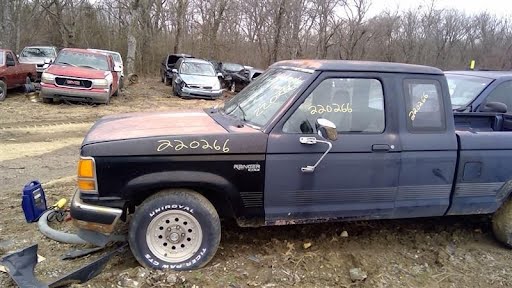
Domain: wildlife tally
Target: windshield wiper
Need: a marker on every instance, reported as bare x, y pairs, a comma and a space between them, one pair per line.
66, 63
87, 66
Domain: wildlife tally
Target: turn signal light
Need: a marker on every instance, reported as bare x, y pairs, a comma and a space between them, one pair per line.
86, 168
86, 185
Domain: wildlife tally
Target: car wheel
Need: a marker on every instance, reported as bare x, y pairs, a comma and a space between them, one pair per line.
162, 78
167, 81
121, 83
28, 80
232, 88
175, 229
108, 97
3, 90
502, 223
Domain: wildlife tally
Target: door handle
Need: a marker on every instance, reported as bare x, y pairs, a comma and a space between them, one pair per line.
381, 148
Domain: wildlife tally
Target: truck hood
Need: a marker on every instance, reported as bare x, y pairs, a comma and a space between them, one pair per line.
79, 72
151, 124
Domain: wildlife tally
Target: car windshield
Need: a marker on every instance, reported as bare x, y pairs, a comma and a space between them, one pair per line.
81, 59
1, 58
464, 89
232, 67
38, 52
259, 101
194, 68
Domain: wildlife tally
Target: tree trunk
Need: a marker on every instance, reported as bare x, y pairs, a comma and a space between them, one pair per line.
279, 24
181, 14
132, 41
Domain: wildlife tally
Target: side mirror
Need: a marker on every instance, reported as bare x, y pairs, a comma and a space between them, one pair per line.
220, 75
497, 107
10, 63
174, 70
326, 129
117, 69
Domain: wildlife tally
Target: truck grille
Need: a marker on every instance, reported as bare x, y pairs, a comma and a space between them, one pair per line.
72, 82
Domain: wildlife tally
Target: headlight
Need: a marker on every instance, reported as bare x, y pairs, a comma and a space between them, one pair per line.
100, 83
47, 78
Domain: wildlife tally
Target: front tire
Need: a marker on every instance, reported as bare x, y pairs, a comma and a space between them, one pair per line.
502, 224
175, 229
3, 90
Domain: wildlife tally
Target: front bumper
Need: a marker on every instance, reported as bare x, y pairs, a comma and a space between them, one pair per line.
93, 95
200, 93
93, 217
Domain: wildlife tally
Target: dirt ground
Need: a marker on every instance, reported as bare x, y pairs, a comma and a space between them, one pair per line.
41, 141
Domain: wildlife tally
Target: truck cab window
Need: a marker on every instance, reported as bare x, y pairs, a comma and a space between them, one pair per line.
502, 93
424, 106
9, 57
353, 105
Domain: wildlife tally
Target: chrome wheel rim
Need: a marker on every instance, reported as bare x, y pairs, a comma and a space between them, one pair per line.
174, 236
1, 92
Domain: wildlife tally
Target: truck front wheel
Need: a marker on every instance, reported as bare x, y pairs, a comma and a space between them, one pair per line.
3, 90
175, 229
502, 223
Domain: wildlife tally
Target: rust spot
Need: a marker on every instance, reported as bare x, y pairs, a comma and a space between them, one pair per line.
102, 228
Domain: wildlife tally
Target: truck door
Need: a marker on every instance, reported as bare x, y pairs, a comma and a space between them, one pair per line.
429, 147
359, 176
11, 73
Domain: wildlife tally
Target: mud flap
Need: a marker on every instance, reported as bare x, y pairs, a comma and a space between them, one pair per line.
20, 266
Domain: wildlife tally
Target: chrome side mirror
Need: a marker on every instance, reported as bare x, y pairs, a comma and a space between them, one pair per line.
326, 129
174, 71
220, 75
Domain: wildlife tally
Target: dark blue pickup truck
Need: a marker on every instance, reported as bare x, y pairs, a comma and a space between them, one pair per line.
307, 141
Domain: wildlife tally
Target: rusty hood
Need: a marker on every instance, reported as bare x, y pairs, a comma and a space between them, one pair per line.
152, 124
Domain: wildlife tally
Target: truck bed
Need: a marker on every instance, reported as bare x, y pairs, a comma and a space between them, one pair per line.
484, 165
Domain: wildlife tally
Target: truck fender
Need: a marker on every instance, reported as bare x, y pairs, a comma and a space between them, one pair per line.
144, 186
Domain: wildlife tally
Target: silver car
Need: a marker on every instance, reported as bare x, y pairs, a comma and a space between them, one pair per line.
39, 56
195, 78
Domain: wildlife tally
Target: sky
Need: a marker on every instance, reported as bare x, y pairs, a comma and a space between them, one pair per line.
499, 7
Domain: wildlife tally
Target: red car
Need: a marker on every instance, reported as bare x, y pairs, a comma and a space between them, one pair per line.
12, 73
80, 75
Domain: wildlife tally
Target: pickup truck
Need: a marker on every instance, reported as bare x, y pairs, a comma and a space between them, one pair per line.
480, 91
307, 141
12, 73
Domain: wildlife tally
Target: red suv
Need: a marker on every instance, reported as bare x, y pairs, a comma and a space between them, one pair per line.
80, 75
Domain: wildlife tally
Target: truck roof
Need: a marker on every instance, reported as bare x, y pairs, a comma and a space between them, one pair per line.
486, 74
359, 66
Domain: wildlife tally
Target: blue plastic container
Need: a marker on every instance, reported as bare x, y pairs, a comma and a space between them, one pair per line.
33, 201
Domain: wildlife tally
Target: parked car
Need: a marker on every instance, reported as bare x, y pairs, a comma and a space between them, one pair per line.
235, 76
195, 78
473, 91
302, 144
118, 61
38, 55
169, 63
12, 73
80, 75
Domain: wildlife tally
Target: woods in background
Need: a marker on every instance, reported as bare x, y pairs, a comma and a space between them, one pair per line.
259, 32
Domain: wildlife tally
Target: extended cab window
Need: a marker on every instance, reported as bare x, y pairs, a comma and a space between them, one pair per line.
502, 93
352, 104
424, 105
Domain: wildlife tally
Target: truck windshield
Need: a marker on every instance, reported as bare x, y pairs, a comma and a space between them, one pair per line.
464, 89
81, 59
38, 52
259, 101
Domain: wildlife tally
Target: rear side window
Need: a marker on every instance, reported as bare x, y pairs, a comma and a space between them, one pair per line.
9, 57
424, 104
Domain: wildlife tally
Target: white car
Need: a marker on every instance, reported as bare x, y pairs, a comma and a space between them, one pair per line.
118, 61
